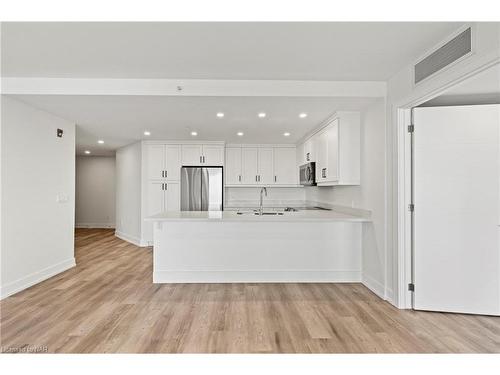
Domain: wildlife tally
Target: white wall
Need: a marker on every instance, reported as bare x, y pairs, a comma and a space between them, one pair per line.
37, 235
95, 191
402, 93
128, 192
236, 196
370, 195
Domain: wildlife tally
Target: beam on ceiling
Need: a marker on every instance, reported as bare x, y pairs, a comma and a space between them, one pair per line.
190, 87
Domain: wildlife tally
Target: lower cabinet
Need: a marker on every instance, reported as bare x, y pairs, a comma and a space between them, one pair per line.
160, 196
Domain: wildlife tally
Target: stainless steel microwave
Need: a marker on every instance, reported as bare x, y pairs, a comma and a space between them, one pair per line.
307, 174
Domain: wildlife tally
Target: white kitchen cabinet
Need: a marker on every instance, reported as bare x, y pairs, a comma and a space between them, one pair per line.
250, 165
338, 151
265, 175
285, 166
213, 155
310, 149
192, 155
232, 168
172, 196
163, 162
173, 162
160, 197
202, 155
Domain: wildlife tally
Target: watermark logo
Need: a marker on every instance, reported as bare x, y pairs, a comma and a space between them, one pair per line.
24, 349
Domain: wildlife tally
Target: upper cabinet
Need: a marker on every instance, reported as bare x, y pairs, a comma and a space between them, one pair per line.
209, 155
336, 150
163, 162
285, 166
249, 165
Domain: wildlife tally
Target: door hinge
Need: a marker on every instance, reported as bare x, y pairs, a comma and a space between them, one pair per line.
411, 287
411, 207
411, 128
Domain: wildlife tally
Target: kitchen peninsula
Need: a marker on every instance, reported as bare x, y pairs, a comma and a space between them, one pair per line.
243, 246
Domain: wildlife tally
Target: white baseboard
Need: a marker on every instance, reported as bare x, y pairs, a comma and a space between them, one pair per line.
257, 276
94, 225
132, 239
36, 277
374, 285
389, 297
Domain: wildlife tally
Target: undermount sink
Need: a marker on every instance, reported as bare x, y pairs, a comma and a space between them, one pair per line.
256, 212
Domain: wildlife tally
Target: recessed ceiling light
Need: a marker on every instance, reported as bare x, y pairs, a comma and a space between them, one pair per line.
147, 132
262, 114
240, 134
303, 115
87, 152
220, 114
194, 134
100, 141
286, 134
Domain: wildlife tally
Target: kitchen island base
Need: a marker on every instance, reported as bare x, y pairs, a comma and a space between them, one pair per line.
257, 252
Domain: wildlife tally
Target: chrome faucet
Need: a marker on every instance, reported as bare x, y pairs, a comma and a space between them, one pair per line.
262, 190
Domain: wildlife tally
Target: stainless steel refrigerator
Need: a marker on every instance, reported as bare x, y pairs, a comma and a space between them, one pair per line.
201, 189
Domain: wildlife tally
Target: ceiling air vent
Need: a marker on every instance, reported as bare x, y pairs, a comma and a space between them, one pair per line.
456, 48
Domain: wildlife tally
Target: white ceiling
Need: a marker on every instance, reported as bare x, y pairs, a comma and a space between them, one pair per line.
220, 51
120, 120
366, 51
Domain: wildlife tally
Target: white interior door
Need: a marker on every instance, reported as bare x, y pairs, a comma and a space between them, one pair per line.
456, 217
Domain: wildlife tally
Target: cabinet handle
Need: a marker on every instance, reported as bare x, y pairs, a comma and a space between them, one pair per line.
259, 177
239, 178
203, 159
275, 178
307, 156
166, 186
162, 186
162, 174
256, 179
166, 174
200, 160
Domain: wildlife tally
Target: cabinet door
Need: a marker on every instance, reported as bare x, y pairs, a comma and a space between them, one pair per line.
249, 165
155, 159
155, 203
266, 166
285, 167
310, 149
321, 156
332, 137
172, 196
232, 169
301, 154
173, 162
192, 155
213, 155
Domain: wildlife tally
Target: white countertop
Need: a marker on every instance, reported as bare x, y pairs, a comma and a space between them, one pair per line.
303, 215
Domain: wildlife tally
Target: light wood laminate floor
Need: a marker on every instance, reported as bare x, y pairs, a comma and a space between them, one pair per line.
108, 303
